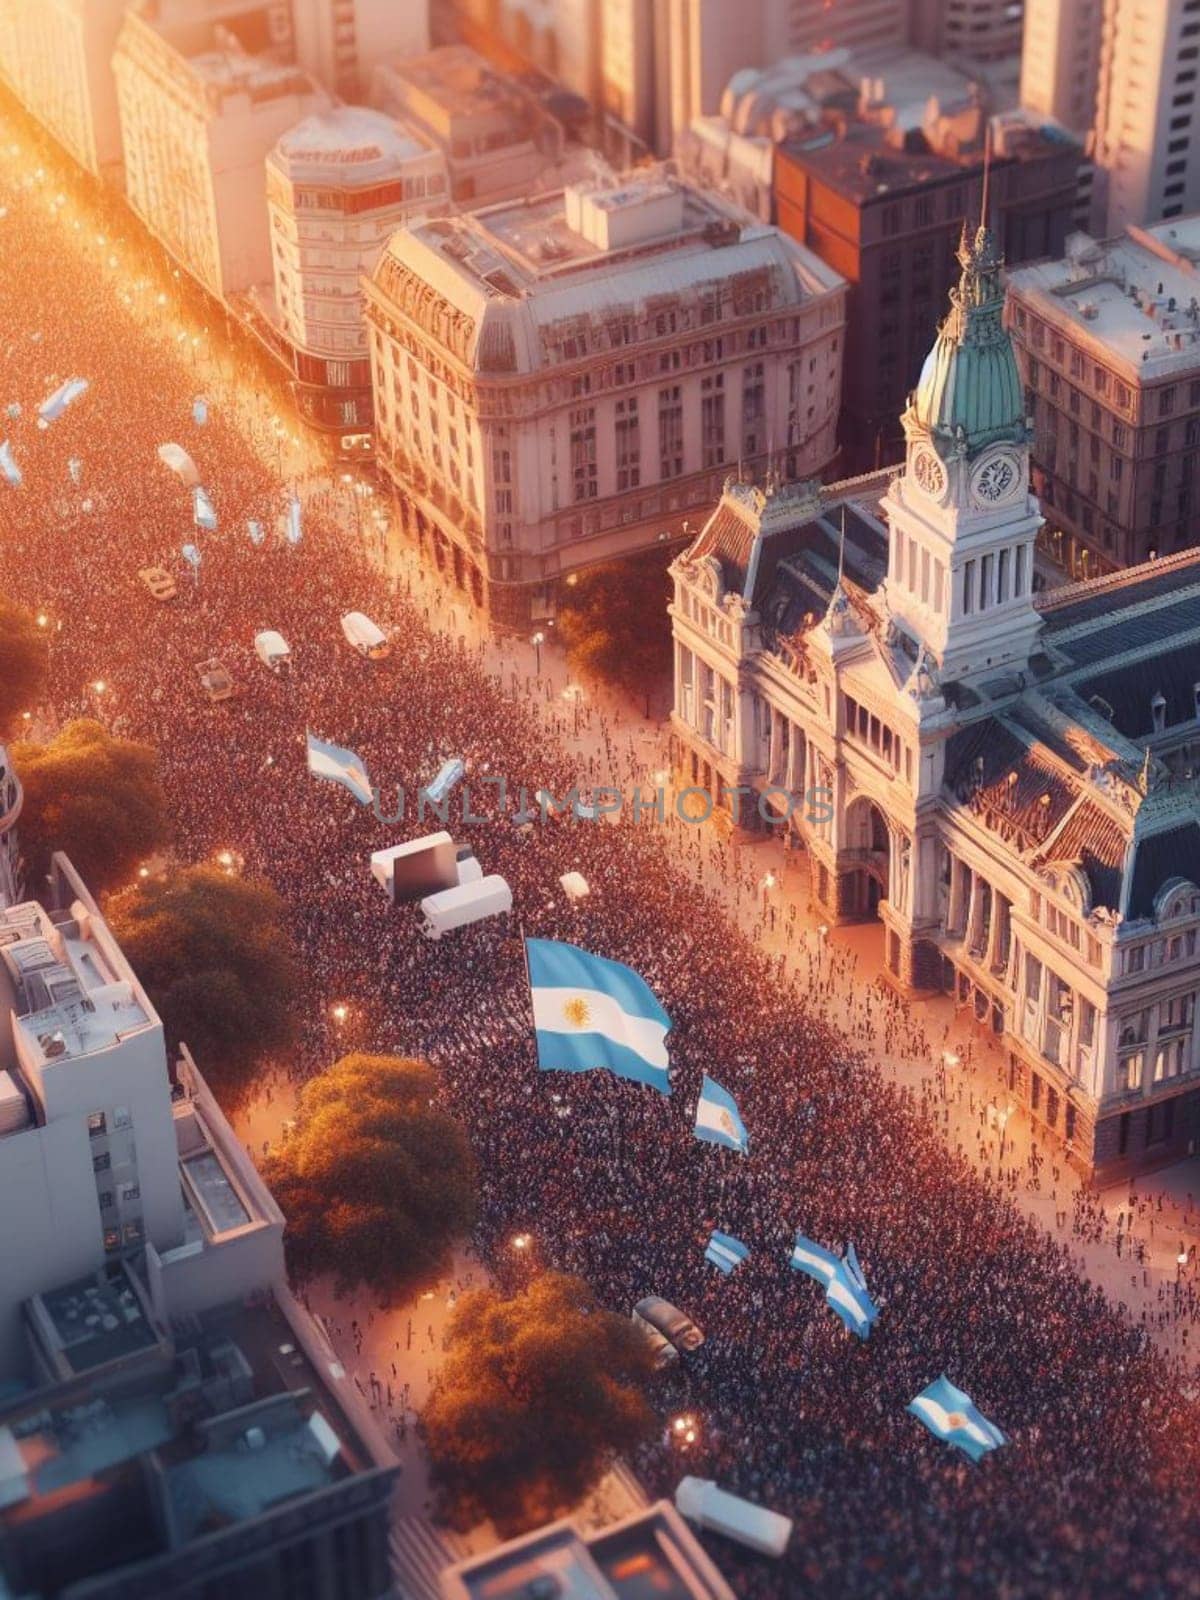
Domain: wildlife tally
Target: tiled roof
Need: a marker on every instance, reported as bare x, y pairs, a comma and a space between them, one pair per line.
1174, 853
1093, 839
1128, 692
1019, 791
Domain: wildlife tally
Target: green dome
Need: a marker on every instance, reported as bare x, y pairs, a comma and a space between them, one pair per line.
970, 379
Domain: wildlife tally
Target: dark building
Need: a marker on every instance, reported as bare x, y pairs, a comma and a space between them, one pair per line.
884, 205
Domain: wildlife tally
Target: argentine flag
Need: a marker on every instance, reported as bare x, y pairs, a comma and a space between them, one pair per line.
53, 406
717, 1118
340, 766
8, 466
725, 1252
292, 528
845, 1287
589, 1012
949, 1414
202, 510
191, 554
255, 531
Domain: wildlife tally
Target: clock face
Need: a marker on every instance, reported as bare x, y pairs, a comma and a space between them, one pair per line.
996, 478
929, 472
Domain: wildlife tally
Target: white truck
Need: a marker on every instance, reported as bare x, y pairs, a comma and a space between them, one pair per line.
701, 1502
272, 649
465, 903
415, 870
364, 636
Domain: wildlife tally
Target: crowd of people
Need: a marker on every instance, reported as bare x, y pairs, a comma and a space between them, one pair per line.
1095, 1493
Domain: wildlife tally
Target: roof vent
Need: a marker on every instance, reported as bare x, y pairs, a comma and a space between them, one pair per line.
254, 1439
1158, 710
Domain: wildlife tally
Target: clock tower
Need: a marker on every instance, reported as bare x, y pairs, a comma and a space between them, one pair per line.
962, 519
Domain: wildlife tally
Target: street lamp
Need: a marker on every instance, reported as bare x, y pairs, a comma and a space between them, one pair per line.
339, 1013
537, 642
1002, 1118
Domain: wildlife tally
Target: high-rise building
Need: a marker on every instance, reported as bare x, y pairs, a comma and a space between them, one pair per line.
340, 42
54, 56
1004, 781
11, 799
969, 30
883, 203
565, 380
202, 105
338, 184
1108, 338
1147, 152
1060, 61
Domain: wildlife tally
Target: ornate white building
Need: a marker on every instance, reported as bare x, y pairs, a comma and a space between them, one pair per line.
567, 379
1005, 780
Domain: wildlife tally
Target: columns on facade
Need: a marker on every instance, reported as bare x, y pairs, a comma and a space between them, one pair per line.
954, 909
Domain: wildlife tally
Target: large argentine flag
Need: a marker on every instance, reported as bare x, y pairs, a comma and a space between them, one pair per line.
725, 1252
818, 1262
340, 766
589, 1012
8, 466
949, 1414
718, 1120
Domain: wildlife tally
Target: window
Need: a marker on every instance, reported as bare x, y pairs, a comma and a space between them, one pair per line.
753, 408
583, 454
101, 1163
712, 419
97, 1125
670, 432
628, 444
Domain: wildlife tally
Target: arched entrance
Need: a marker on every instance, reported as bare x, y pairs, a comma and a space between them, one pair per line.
867, 855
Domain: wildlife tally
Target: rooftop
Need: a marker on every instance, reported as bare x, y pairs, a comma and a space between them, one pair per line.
1134, 300
225, 1422
96, 1319
452, 85
71, 994
598, 252
651, 1555
347, 146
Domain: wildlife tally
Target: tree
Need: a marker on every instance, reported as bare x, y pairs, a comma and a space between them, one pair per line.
23, 663
214, 955
539, 1392
376, 1182
614, 623
96, 797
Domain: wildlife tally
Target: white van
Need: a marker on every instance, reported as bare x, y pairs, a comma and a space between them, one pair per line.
272, 650
466, 903
701, 1502
467, 866
363, 635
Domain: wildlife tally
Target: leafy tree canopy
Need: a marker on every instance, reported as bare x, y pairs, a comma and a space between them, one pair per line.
23, 663
377, 1183
539, 1393
214, 955
614, 623
94, 796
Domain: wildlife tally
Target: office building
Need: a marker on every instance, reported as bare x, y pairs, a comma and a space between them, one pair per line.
567, 380
881, 194
979, 31
54, 57
652, 1552
340, 42
338, 184
497, 141
1005, 782
1060, 61
1108, 338
201, 108
1147, 153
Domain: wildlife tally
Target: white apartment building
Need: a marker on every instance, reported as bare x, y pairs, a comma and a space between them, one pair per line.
98, 1161
1147, 151
568, 380
1005, 782
199, 115
983, 31
340, 42
54, 56
338, 184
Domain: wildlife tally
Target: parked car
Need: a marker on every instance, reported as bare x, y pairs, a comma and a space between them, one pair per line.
159, 582
215, 679
671, 1331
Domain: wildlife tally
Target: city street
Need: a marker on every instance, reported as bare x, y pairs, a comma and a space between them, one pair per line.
857, 1110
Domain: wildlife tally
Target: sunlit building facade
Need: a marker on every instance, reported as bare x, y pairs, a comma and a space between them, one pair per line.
338, 184
1005, 781
54, 56
569, 380
199, 114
